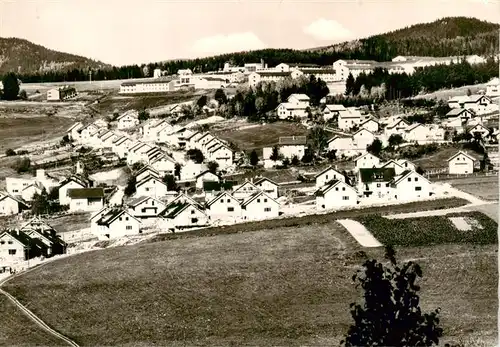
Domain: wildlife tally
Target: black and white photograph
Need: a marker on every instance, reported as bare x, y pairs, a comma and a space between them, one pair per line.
249, 173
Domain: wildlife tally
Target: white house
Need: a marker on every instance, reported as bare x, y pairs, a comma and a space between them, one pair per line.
399, 127
457, 101
461, 113
287, 110
15, 185
145, 207
164, 164
190, 170
268, 186
367, 161
349, 119
87, 131
370, 124
85, 199
328, 175
10, 205
344, 145
479, 129
62, 93
245, 190
362, 138
333, 111
477, 102
461, 163
288, 147
260, 206
12, 248
336, 194
410, 185
221, 154
151, 186
493, 87
120, 146
205, 176
422, 134
224, 207
178, 216
29, 192
73, 132
128, 120
116, 223
375, 183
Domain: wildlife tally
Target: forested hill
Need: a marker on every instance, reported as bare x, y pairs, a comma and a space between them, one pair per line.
25, 57
444, 37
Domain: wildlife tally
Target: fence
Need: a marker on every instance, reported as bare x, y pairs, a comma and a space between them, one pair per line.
446, 176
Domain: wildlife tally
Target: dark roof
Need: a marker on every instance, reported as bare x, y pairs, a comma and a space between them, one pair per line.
273, 73
377, 174
218, 186
146, 168
255, 196
173, 210
321, 191
84, 193
112, 215
292, 140
147, 179
318, 71
138, 200
262, 179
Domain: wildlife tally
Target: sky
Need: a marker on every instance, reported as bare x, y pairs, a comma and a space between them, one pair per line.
121, 32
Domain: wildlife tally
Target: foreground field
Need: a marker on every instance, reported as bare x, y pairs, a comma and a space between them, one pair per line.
286, 286
19, 330
258, 136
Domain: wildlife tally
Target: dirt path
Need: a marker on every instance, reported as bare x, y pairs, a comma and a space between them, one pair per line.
30, 314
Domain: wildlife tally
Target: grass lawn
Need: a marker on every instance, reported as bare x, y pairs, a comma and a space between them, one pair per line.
484, 187
70, 222
16, 132
438, 159
423, 231
289, 286
19, 330
437, 204
259, 136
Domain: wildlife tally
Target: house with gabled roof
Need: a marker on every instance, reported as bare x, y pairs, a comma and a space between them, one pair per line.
163, 163
137, 152
128, 120
461, 163
221, 154
409, 185
101, 123
457, 101
268, 186
459, 116
375, 183
259, 205
13, 247
477, 102
333, 111
335, 194
36, 223
181, 216
328, 175
399, 127
362, 139
86, 132
151, 186
206, 176
10, 205
73, 131
53, 243
116, 223
398, 169
288, 147
224, 207
145, 207
343, 145
288, 110
370, 124
192, 140
29, 192
145, 171
244, 190
71, 182
163, 132
479, 129
120, 146
367, 160
349, 119
183, 198
85, 199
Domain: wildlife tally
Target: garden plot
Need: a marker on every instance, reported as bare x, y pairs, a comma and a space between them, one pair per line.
360, 233
465, 224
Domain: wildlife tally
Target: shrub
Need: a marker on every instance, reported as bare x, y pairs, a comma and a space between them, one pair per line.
22, 165
10, 152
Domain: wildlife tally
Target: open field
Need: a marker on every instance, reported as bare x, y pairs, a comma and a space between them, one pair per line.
484, 187
71, 222
424, 231
19, 330
138, 102
445, 94
258, 136
289, 286
16, 132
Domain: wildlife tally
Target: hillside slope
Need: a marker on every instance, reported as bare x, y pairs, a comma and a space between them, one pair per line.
444, 37
25, 57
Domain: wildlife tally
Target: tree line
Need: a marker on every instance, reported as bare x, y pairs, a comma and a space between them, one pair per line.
380, 84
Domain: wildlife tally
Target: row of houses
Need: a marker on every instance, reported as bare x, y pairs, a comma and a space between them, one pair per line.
183, 82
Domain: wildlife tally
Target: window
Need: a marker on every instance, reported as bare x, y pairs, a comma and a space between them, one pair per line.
228, 200
415, 179
322, 206
326, 176
152, 202
345, 198
265, 200
194, 220
2, 242
142, 210
258, 200
337, 189
267, 209
387, 184
230, 209
418, 189
409, 179
126, 218
192, 212
147, 189
128, 227
12, 251
222, 200
343, 189
10, 242
378, 185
